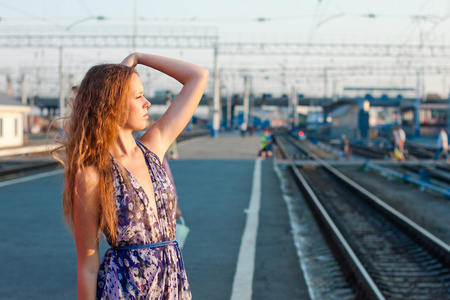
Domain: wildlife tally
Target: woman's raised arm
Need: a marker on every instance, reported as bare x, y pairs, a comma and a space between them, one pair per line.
193, 78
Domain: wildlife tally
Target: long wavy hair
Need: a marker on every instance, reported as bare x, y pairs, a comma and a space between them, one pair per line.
98, 110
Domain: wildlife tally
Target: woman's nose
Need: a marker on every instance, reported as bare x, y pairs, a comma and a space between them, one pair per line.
147, 103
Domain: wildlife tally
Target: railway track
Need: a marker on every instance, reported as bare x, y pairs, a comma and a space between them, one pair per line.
438, 174
383, 253
442, 177
413, 151
420, 152
10, 171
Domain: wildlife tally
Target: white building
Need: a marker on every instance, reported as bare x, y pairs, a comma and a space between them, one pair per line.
11, 121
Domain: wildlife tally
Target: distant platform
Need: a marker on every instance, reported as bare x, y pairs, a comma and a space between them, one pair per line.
228, 145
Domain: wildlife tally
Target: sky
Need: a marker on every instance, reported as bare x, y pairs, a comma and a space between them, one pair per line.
302, 21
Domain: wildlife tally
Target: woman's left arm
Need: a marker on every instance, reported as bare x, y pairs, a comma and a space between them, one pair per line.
193, 78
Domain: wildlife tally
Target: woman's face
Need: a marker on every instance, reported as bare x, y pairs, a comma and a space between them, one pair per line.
137, 105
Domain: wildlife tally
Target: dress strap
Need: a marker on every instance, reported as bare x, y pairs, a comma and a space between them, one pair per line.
141, 145
154, 245
154, 156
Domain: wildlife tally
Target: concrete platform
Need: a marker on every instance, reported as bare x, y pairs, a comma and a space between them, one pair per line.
226, 146
216, 186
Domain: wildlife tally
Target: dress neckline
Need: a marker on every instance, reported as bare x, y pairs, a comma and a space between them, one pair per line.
152, 179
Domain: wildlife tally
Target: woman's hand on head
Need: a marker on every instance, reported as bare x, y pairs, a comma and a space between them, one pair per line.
131, 60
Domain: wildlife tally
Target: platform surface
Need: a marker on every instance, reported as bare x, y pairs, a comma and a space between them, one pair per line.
214, 180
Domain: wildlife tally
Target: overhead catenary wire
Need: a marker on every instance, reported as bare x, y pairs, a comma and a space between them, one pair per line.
85, 7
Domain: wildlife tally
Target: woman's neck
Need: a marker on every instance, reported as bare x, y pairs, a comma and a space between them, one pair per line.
125, 143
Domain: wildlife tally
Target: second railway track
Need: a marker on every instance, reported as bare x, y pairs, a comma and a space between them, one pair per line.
384, 254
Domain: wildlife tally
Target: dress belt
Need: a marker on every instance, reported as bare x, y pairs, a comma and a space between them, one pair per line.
154, 245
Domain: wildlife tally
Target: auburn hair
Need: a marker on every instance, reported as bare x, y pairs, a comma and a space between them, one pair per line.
99, 109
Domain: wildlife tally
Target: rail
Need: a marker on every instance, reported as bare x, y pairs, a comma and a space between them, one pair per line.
408, 178
366, 282
441, 248
436, 247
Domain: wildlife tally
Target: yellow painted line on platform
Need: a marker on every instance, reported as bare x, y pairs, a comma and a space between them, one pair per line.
243, 278
30, 178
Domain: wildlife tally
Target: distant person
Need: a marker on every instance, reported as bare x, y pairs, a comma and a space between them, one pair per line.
346, 143
399, 139
393, 143
172, 152
116, 184
442, 145
243, 128
401, 136
266, 144
251, 129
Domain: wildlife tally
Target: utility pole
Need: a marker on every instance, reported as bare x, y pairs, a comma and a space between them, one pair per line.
9, 85
229, 111
216, 99
168, 98
289, 111
24, 89
334, 91
448, 112
31, 124
417, 106
62, 102
294, 101
24, 102
134, 25
246, 98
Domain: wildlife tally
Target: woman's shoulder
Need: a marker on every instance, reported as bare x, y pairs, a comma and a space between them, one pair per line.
86, 188
87, 177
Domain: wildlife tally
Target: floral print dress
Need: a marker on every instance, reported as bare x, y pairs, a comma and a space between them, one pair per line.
145, 273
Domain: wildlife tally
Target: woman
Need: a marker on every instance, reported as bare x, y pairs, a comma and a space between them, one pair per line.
116, 184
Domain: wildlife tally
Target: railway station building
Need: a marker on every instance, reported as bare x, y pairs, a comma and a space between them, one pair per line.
12, 116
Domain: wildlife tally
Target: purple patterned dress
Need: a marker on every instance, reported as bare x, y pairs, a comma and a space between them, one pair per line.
148, 273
